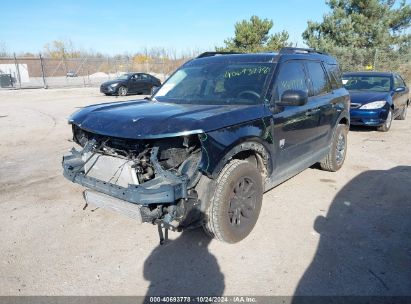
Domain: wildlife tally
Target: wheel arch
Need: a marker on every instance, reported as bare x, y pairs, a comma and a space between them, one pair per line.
248, 150
344, 120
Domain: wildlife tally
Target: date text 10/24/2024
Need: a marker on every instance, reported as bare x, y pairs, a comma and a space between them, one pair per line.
205, 299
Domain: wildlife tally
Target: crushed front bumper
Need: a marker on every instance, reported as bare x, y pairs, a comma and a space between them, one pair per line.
164, 188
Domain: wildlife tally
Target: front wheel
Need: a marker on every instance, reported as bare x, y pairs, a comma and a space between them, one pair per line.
336, 156
122, 91
236, 203
387, 124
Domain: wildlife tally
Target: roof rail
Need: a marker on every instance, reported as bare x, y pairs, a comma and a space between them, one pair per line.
210, 54
294, 50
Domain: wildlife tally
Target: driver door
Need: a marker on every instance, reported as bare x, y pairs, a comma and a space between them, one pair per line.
135, 83
294, 126
399, 98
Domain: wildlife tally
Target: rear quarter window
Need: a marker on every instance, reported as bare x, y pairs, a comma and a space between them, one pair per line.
335, 75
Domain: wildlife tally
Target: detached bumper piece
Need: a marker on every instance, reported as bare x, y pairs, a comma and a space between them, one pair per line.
164, 188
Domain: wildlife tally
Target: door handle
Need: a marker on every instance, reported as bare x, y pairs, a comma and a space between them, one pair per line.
311, 112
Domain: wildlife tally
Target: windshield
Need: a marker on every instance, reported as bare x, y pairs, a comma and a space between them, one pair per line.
216, 83
124, 77
367, 83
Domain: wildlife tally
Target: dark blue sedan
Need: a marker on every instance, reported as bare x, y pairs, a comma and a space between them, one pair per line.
376, 98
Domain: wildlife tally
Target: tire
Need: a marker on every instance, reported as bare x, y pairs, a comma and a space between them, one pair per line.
387, 124
231, 217
122, 91
151, 90
403, 114
336, 156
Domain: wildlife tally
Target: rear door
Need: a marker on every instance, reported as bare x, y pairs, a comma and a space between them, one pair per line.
146, 83
294, 126
322, 100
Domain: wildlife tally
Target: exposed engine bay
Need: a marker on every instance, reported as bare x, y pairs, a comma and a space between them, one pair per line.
149, 180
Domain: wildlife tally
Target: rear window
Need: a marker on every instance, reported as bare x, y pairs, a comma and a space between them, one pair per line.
318, 78
367, 83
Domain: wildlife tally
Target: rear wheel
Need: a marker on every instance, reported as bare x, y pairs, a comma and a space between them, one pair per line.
336, 156
122, 91
236, 203
387, 124
403, 114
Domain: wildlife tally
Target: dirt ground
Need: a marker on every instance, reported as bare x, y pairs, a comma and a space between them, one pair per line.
320, 233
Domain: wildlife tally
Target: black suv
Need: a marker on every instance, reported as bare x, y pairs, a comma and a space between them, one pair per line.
222, 130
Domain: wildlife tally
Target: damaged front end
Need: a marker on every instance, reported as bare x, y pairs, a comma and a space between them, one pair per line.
150, 180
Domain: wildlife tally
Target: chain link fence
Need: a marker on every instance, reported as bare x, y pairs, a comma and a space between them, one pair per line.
40, 72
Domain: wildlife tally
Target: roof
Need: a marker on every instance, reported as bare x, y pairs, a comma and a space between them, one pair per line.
369, 73
215, 57
254, 57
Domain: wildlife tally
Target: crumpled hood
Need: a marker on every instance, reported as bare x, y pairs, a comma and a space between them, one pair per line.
366, 97
141, 119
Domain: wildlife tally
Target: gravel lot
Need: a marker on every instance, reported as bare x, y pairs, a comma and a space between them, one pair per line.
344, 233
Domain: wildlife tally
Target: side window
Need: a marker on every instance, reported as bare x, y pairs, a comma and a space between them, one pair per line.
290, 77
318, 79
144, 77
335, 75
398, 82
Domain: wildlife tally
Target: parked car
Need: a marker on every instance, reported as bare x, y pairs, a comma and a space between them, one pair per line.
137, 83
222, 130
71, 73
376, 98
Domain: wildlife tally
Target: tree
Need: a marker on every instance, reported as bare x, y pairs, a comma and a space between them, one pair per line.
363, 32
3, 49
254, 36
61, 49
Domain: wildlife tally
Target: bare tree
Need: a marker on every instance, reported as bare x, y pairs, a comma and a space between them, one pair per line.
3, 49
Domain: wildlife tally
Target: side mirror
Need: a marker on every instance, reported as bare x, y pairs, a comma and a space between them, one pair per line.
154, 90
293, 98
399, 89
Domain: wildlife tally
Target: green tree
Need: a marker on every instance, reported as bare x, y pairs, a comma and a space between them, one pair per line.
254, 36
363, 33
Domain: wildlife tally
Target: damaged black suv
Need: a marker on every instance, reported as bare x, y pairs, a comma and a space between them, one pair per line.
222, 130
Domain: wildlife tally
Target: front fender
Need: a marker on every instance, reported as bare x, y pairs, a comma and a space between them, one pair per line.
219, 146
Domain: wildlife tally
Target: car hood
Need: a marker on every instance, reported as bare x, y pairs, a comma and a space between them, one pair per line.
366, 97
142, 119
107, 83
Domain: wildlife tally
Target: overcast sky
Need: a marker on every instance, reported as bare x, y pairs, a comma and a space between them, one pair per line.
123, 26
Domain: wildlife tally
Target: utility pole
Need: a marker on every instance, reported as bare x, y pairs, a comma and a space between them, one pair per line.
42, 72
